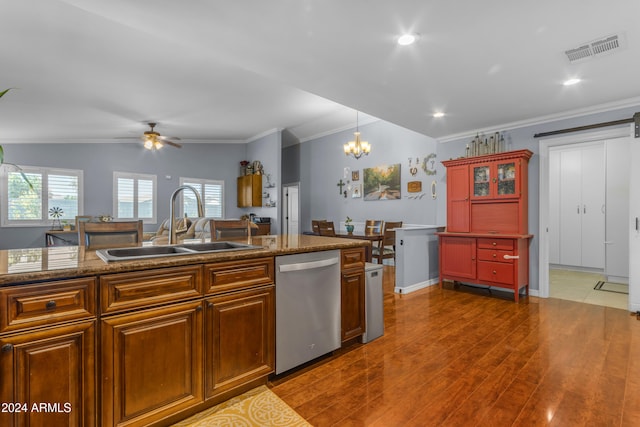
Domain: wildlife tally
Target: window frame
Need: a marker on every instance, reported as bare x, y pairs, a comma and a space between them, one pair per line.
202, 182
44, 199
136, 177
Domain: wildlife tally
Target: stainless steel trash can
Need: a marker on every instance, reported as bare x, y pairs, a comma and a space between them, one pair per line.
374, 311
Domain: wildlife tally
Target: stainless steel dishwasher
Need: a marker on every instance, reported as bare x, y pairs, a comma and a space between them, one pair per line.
307, 307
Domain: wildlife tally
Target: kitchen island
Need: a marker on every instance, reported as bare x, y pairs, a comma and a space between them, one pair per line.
150, 341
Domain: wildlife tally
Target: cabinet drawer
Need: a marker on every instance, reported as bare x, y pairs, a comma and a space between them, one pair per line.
501, 244
48, 303
495, 255
352, 258
228, 276
496, 272
125, 291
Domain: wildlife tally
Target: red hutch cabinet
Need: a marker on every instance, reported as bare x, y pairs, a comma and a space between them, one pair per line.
486, 241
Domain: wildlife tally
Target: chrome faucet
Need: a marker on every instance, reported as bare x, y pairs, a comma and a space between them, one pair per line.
172, 208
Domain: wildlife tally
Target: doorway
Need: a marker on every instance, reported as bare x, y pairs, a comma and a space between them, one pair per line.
548, 189
291, 209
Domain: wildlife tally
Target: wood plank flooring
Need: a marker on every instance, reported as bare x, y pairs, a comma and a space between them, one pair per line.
462, 357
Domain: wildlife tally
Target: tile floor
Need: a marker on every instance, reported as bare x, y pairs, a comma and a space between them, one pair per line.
578, 286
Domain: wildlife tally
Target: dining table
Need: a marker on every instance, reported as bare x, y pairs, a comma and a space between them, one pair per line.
373, 238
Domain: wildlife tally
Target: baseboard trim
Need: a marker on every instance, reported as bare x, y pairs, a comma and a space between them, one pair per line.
415, 286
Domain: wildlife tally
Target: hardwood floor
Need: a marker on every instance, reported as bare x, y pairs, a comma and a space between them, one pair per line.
462, 357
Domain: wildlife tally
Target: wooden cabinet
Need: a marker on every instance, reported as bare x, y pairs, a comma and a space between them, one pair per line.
249, 191
177, 340
486, 240
458, 257
458, 198
353, 314
240, 337
264, 229
47, 353
151, 364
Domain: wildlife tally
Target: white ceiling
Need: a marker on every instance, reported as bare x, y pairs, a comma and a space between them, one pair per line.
216, 70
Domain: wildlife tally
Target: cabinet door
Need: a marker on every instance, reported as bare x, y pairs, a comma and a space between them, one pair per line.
482, 175
458, 199
53, 369
151, 364
249, 191
239, 338
353, 304
506, 181
458, 257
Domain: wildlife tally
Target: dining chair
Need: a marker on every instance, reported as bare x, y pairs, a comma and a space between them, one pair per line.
326, 228
373, 226
387, 248
315, 225
228, 228
100, 235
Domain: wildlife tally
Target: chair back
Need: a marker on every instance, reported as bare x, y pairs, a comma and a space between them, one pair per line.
389, 238
315, 225
373, 226
327, 229
229, 228
100, 235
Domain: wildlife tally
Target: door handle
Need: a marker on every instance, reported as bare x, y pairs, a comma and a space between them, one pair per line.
511, 256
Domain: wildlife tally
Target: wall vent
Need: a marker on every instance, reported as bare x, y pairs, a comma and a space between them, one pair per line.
604, 45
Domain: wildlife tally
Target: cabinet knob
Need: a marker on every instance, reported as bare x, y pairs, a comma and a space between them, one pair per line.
494, 244
50, 305
199, 308
210, 305
494, 272
494, 255
7, 348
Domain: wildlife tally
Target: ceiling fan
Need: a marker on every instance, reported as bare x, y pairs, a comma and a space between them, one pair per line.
152, 140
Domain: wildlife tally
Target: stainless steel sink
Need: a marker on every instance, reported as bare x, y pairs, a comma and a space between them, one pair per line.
143, 252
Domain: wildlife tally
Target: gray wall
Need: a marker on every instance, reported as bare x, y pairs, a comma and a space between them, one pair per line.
268, 150
98, 161
522, 138
322, 163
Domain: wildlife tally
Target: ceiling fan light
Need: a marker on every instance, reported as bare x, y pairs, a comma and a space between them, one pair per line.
157, 145
148, 144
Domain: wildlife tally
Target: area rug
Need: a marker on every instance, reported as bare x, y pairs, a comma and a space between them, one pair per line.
259, 407
618, 288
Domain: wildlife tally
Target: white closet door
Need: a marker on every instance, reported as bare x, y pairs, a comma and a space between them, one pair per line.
570, 207
593, 206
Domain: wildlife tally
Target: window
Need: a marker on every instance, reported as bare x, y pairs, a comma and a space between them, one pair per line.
135, 196
212, 200
52, 188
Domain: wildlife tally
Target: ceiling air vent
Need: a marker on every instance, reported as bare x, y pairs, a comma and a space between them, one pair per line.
594, 48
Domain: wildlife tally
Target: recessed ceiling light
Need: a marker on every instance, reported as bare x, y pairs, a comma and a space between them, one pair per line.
438, 114
406, 39
571, 82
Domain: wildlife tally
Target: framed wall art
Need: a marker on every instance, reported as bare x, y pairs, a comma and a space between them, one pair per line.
356, 192
382, 182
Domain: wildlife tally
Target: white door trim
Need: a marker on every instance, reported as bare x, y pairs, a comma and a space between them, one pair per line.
543, 202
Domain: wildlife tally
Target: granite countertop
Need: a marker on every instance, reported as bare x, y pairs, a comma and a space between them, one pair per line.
37, 264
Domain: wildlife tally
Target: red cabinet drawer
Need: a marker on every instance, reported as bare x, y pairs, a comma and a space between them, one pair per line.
495, 255
496, 272
500, 244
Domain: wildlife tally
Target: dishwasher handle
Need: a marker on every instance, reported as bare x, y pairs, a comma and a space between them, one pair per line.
301, 266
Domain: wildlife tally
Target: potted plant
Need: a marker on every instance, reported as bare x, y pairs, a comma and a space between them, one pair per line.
348, 225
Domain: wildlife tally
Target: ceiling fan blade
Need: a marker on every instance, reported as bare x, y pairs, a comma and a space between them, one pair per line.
166, 141
162, 137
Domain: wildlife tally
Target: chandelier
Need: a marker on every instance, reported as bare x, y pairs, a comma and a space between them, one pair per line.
357, 148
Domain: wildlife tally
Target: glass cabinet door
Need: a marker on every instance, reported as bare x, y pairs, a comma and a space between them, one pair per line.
481, 181
506, 179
